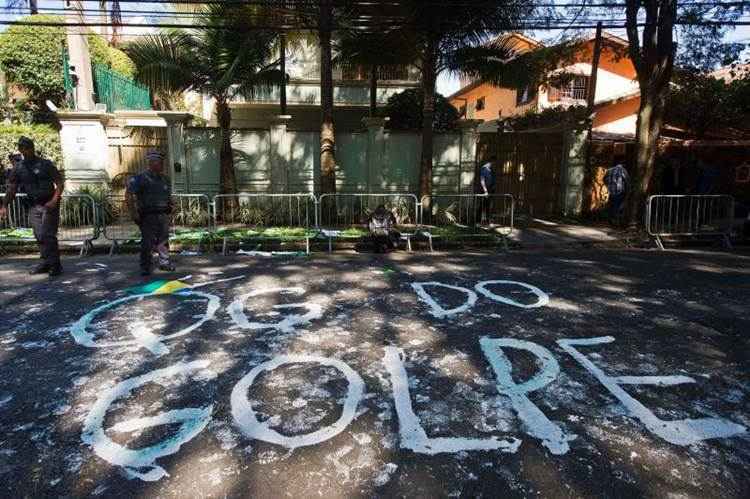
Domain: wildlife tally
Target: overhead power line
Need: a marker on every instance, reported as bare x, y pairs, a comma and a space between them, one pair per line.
285, 27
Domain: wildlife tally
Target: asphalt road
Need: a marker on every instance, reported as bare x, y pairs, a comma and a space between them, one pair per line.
330, 376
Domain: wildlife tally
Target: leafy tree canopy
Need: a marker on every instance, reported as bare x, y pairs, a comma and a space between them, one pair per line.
700, 102
405, 112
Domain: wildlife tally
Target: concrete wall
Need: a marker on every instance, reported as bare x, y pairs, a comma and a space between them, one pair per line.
281, 160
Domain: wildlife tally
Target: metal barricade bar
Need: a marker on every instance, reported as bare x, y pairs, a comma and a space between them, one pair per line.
191, 216
689, 215
78, 220
283, 216
346, 210
15, 226
492, 211
117, 222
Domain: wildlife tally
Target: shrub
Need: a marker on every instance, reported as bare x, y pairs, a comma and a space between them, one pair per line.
121, 63
98, 49
102, 53
405, 112
46, 139
31, 56
101, 197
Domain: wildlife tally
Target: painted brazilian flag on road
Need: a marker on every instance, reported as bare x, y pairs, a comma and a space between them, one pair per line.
160, 287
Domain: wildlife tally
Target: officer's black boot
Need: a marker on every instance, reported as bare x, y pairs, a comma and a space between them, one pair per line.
42, 268
55, 270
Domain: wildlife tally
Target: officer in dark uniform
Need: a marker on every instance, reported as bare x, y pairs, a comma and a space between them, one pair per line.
150, 200
43, 185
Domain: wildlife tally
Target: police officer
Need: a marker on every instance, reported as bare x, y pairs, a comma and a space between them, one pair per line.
150, 200
43, 185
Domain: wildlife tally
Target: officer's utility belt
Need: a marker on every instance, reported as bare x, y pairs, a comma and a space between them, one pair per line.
36, 200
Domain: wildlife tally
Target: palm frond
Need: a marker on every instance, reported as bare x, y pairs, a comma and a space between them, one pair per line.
164, 62
501, 65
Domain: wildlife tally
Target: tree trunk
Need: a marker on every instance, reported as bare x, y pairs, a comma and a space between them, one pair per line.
282, 68
373, 90
227, 178
654, 61
648, 130
429, 75
327, 135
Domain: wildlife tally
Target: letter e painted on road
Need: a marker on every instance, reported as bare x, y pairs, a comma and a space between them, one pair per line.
678, 432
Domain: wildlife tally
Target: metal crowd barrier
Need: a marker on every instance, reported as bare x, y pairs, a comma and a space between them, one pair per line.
689, 215
117, 221
247, 216
191, 217
489, 212
78, 221
466, 216
15, 226
346, 210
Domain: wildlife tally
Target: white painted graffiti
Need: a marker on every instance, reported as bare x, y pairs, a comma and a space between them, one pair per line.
412, 435
142, 336
247, 420
535, 422
679, 432
237, 311
141, 463
439, 312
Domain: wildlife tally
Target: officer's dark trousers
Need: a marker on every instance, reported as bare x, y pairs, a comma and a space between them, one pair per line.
154, 232
45, 222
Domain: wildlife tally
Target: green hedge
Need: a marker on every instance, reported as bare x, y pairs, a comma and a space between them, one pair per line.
46, 139
31, 56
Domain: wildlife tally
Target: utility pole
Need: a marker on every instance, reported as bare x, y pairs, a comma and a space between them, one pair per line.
80, 59
595, 66
588, 176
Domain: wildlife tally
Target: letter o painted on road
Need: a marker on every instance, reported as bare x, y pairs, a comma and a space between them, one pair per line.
247, 420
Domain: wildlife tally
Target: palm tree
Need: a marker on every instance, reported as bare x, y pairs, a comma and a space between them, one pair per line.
443, 31
235, 60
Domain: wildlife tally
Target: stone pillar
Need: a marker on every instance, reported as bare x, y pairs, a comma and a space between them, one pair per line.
280, 153
573, 171
80, 59
375, 151
85, 148
469, 137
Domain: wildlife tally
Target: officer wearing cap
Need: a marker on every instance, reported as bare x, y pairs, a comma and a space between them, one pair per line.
150, 201
43, 185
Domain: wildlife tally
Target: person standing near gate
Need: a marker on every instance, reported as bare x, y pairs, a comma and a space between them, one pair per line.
617, 181
487, 184
150, 201
43, 185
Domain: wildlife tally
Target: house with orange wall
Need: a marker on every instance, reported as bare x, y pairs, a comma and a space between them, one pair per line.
616, 99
